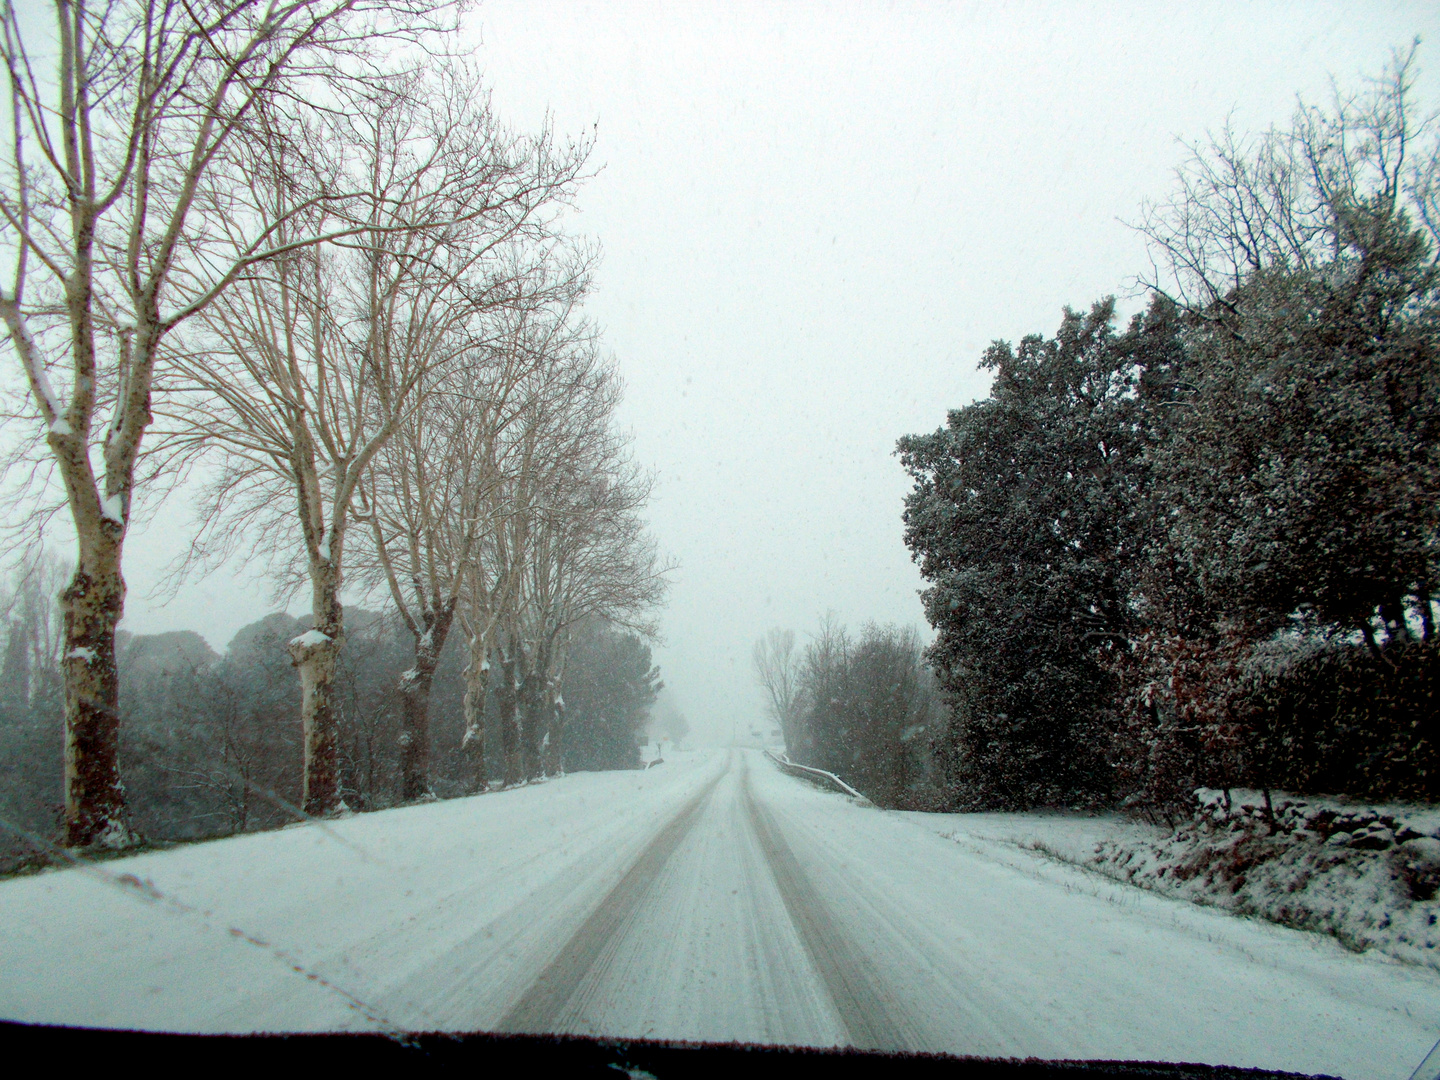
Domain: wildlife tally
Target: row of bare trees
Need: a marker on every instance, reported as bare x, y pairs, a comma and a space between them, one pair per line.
291, 240
509, 507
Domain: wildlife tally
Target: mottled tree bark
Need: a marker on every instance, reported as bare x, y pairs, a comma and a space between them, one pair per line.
506, 707
415, 701
472, 744
314, 654
532, 723
553, 759
1392, 614
95, 814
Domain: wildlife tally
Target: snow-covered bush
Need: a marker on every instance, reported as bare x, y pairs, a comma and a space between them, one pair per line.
1365, 874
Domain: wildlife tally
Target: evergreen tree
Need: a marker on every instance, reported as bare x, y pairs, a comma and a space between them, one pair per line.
609, 687
1027, 518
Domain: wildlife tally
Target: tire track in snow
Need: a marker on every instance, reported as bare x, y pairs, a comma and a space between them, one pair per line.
540, 1008
853, 983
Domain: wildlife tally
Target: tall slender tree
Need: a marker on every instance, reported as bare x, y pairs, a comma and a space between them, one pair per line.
108, 154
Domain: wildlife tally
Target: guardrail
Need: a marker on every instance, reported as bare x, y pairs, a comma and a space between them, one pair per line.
805, 771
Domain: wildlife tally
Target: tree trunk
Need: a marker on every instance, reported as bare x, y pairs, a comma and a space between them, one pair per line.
1397, 628
506, 702
532, 723
472, 744
95, 814
1369, 634
554, 760
415, 699
315, 653
415, 731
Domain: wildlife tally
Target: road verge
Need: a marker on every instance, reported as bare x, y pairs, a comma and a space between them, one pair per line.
817, 776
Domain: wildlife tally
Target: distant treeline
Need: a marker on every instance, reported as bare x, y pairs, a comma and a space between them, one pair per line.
210, 744
1203, 549
862, 706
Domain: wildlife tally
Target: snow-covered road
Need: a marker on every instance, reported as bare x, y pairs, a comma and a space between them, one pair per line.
709, 898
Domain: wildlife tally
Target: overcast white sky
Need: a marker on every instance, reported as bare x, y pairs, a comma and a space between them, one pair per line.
814, 219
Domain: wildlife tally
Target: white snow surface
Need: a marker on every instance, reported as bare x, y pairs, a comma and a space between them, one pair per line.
310, 637
112, 507
711, 897
1331, 865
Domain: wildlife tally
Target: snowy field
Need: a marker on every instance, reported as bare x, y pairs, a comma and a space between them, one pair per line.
710, 897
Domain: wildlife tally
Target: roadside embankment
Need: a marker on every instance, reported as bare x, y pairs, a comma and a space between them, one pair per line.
1367, 875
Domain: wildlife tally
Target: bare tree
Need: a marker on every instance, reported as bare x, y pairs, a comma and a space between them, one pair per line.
108, 152
591, 558
1316, 195
1307, 263
429, 499
565, 543
321, 356
567, 401
777, 667
34, 634
422, 504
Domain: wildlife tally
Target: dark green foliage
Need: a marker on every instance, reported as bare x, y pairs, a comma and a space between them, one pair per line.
1302, 468
1204, 551
1341, 719
31, 703
211, 744
1160, 585
1027, 516
609, 686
